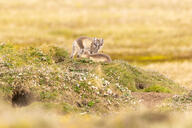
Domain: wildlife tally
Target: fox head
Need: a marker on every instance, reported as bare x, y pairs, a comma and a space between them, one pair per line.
85, 54
96, 45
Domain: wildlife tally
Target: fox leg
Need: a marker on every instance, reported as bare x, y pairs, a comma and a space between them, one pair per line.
73, 52
81, 51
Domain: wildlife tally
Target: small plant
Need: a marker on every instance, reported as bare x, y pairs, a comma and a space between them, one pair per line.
77, 89
91, 103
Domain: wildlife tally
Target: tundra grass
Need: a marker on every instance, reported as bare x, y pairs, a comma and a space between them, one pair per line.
50, 76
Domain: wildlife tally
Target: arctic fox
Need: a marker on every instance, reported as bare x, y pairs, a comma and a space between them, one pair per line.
82, 44
97, 57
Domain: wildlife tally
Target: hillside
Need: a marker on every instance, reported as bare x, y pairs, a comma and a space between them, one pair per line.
47, 76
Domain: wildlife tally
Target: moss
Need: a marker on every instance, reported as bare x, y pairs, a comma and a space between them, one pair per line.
157, 88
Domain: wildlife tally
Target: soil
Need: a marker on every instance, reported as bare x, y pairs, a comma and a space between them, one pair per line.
151, 99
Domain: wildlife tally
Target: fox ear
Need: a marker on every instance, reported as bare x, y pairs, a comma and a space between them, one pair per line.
94, 40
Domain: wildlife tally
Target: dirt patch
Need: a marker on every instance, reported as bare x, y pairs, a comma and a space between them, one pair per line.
151, 99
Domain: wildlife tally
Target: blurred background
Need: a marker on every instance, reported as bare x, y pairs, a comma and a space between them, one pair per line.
138, 31
132, 29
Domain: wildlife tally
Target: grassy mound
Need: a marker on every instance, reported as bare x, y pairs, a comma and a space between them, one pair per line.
56, 81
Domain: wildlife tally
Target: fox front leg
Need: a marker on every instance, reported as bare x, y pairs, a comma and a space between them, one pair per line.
80, 53
73, 52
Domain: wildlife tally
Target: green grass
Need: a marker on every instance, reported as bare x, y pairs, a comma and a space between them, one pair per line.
91, 103
157, 88
134, 78
119, 73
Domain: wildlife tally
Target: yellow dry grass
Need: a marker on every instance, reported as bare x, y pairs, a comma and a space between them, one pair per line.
180, 72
